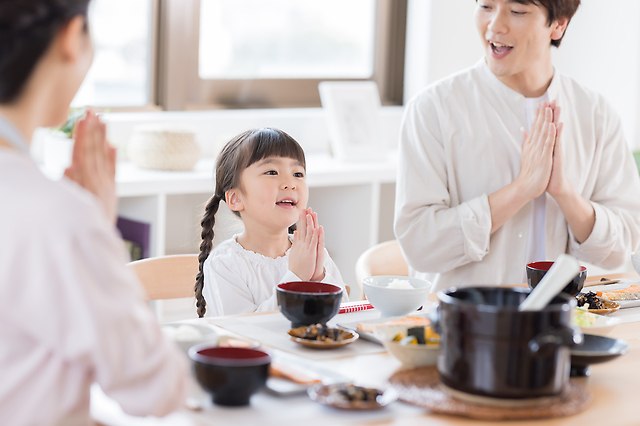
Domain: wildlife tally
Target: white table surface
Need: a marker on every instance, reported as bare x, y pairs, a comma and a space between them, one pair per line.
613, 384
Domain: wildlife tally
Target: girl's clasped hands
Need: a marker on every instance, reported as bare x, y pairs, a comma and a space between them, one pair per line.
306, 257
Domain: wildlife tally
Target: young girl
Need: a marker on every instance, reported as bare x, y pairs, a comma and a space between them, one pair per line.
260, 175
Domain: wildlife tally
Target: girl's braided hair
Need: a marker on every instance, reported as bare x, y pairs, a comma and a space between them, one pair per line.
239, 153
27, 28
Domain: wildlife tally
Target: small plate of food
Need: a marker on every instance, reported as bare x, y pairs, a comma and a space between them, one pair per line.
627, 295
367, 328
320, 336
595, 304
417, 346
593, 324
348, 396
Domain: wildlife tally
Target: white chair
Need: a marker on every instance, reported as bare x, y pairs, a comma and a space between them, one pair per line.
381, 259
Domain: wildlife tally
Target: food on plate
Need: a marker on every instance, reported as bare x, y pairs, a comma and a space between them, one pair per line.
353, 393
401, 284
320, 333
630, 293
590, 300
348, 396
408, 321
418, 336
583, 318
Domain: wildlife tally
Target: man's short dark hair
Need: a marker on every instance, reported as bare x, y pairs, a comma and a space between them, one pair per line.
557, 9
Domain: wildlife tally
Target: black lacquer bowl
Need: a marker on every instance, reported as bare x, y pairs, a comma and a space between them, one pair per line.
230, 375
490, 349
537, 270
595, 350
308, 302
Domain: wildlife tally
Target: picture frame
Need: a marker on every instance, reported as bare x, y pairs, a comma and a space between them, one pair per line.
353, 116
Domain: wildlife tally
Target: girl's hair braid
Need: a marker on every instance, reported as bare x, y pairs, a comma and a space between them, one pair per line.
208, 221
239, 153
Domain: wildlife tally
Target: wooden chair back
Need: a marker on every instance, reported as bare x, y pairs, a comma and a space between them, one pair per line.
381, 259
167, 277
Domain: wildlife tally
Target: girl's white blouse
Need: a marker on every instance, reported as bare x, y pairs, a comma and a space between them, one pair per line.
71, 312
238, 281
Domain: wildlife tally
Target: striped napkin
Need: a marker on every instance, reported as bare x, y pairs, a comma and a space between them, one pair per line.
348, 307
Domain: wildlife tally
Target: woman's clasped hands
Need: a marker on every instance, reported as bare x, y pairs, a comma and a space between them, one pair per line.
93, 165
542, 162
306, 257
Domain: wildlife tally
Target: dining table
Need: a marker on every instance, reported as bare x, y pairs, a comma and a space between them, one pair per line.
613, 385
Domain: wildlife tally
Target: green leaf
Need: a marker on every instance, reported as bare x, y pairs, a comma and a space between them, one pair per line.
74, 115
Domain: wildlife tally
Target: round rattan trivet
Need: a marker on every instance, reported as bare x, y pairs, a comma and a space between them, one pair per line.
421, 386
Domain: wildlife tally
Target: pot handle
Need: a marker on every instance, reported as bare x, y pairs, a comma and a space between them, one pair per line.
543, 343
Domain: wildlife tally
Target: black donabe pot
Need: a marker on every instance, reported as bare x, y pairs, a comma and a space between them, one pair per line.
489, 349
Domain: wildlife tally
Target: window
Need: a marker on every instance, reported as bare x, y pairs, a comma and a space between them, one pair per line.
195, 54
256, 53
286, 39
121, 75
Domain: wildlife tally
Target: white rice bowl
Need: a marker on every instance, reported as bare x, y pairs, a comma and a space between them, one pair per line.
396, 299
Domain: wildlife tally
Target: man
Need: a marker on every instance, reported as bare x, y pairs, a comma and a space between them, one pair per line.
477, 196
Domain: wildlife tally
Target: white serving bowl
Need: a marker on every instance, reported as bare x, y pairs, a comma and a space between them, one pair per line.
395, 301
411, 356
635, 259
187, 335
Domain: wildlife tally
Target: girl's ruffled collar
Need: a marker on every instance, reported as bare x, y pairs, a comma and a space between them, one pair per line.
252, 255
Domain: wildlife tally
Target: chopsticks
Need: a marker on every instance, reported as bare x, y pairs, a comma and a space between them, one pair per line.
349, 307
603, 282
284, 371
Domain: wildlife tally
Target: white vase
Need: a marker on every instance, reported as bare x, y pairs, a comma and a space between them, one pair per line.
55, 151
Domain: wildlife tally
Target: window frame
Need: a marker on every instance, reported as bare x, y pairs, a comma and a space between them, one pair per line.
152, 81
178, 85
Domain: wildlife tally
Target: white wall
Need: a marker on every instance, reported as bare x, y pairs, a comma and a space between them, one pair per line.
441, 39
601, 50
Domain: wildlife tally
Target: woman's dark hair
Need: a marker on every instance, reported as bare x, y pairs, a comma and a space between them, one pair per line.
556, 9
27, 28
239, 153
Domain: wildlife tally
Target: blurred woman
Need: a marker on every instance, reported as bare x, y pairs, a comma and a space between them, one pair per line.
71, 313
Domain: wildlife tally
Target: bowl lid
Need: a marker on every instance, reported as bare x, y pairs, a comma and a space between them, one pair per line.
499, 299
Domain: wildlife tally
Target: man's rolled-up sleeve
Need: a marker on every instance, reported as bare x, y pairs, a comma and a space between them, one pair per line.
615, 199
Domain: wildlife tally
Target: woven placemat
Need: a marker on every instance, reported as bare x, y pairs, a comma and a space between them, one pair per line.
421, 386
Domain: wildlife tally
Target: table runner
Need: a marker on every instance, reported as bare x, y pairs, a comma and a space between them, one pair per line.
271, 330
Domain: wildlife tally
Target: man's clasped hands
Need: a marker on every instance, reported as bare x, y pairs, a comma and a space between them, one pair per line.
542, 162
